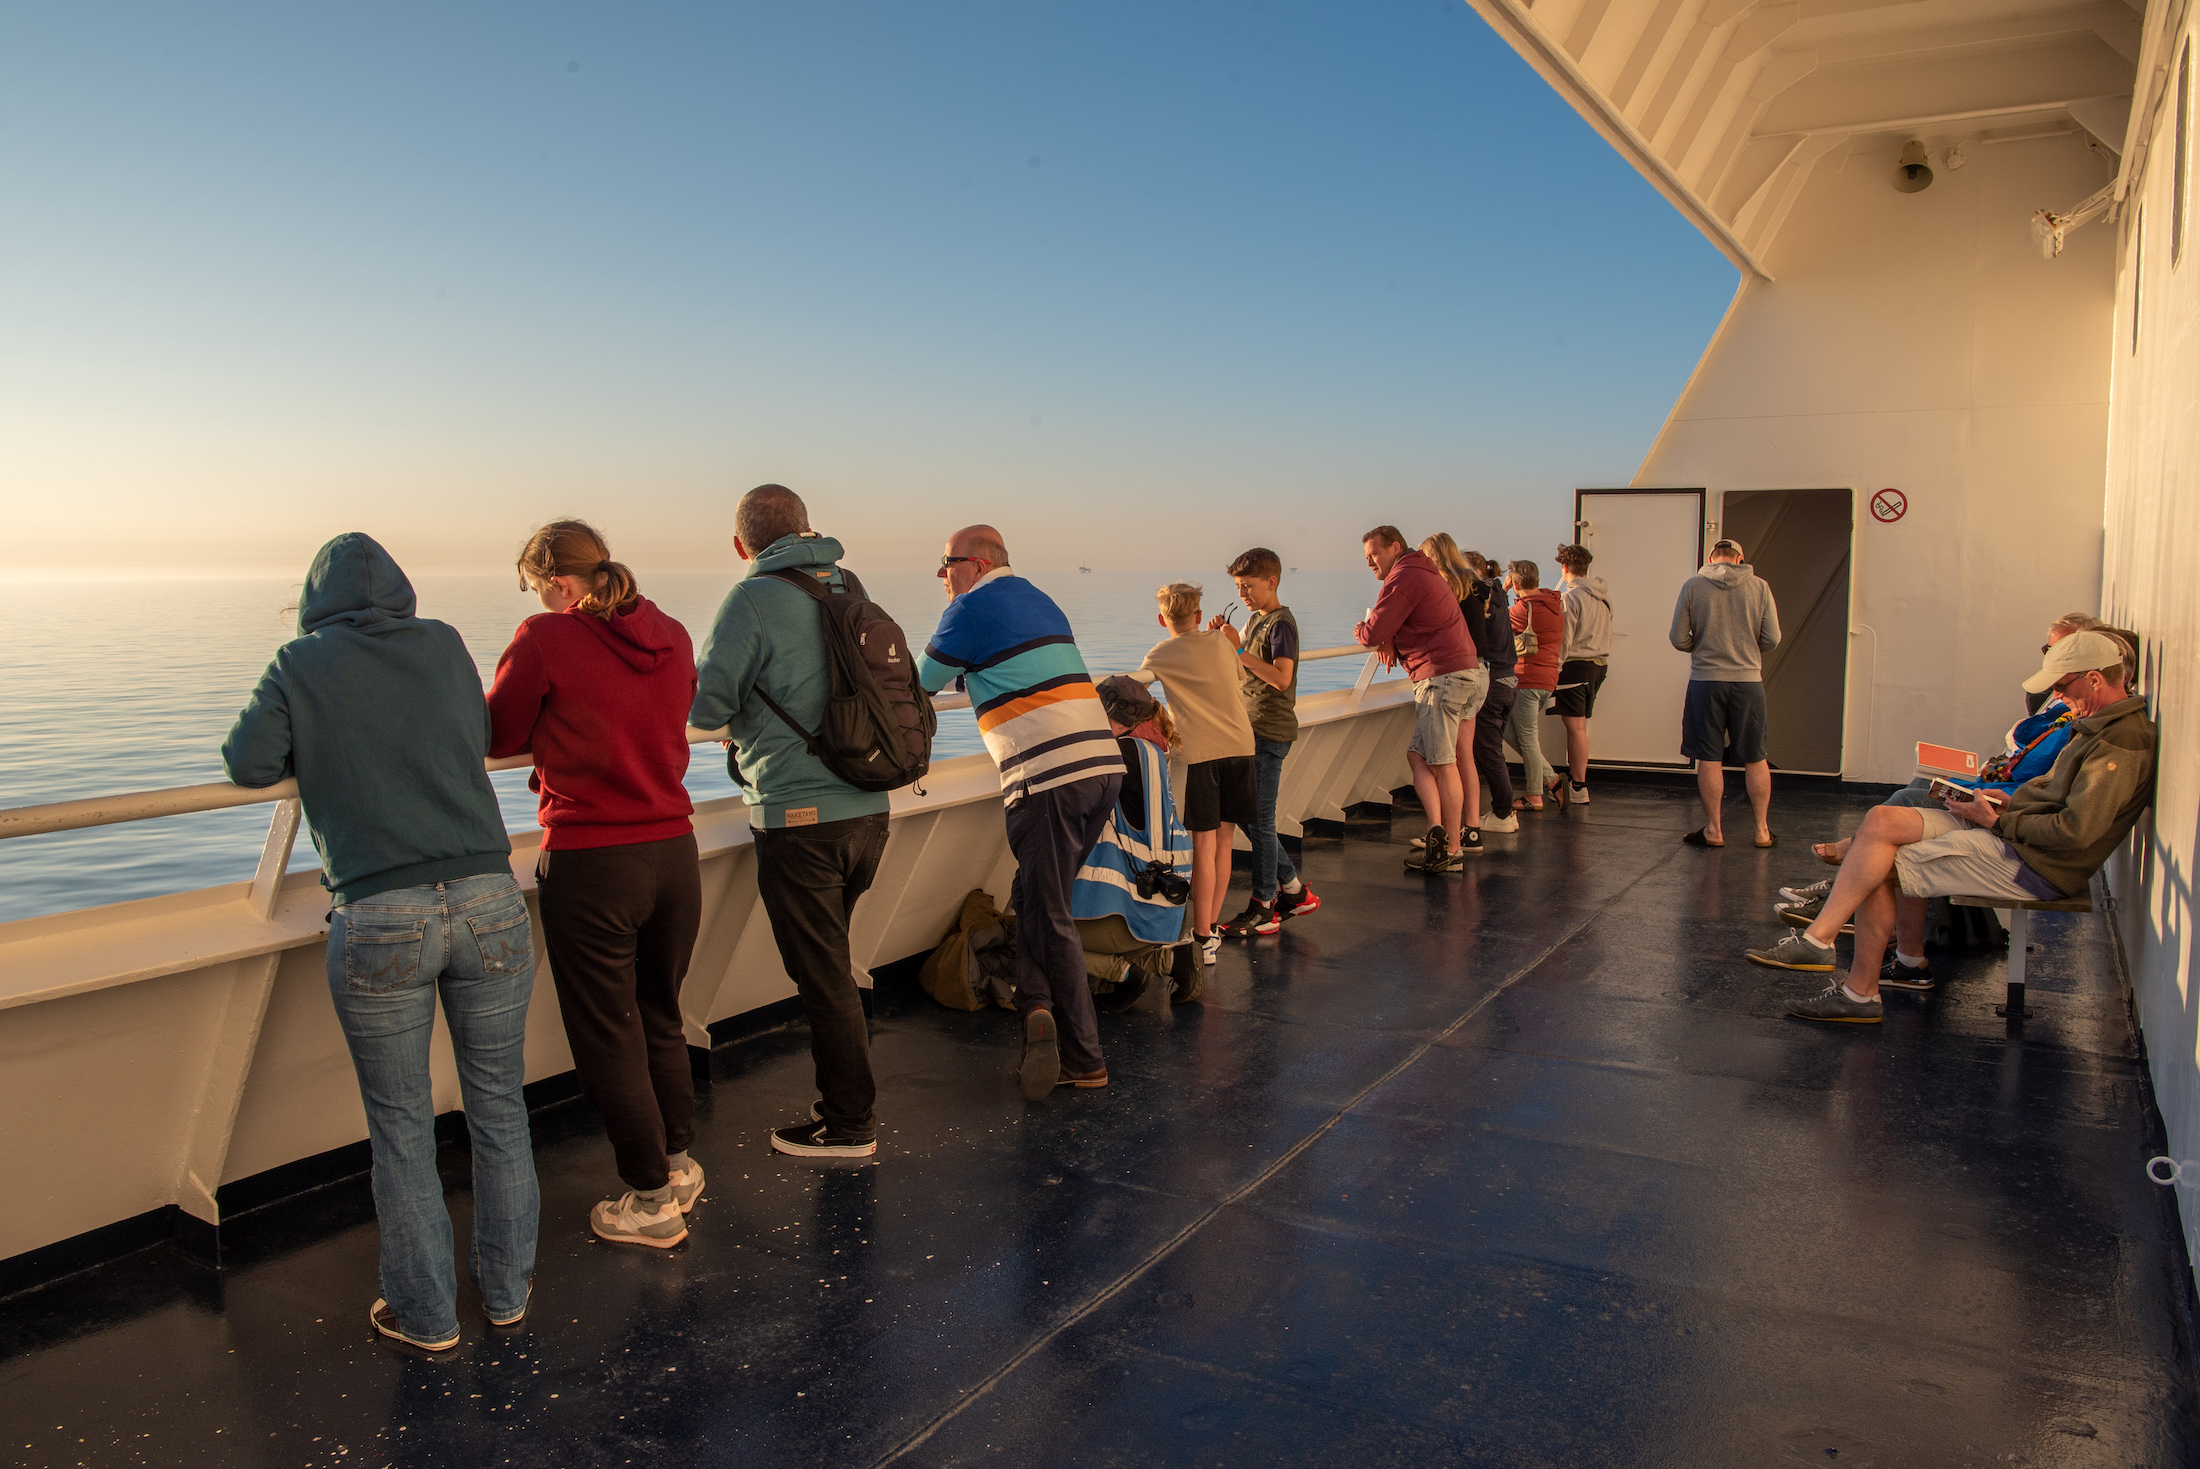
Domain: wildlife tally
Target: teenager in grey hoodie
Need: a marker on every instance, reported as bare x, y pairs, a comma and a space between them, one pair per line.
1587, 603
1725, 621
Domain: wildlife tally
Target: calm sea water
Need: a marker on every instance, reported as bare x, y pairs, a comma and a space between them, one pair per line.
130, 685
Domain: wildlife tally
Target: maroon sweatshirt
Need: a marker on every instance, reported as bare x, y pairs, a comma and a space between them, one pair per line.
1417, 615
602, 704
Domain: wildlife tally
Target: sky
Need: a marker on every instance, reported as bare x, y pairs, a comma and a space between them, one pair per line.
1141, 283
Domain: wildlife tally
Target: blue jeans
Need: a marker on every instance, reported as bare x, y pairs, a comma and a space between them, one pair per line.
1271, 863
1527, 738
388, 957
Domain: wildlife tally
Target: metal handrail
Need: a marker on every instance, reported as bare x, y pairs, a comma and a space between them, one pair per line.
23, 821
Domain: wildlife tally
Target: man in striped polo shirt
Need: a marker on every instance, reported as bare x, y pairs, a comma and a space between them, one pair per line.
1060, 773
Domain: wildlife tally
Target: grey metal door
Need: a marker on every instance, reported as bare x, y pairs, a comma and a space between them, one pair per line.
1798, 540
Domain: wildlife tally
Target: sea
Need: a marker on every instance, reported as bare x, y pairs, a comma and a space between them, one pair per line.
128, 683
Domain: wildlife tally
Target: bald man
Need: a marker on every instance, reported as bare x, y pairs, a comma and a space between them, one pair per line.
1060, 774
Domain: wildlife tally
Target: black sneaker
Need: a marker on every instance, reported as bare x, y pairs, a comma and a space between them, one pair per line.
1128, 991
1894, 974
1187, 975
819, 1140
1258, 917
1299, 904
1470, 842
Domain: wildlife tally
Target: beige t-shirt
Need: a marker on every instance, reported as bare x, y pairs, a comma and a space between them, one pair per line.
1199, 678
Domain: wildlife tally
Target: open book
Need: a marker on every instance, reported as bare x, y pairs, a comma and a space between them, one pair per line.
1947, 762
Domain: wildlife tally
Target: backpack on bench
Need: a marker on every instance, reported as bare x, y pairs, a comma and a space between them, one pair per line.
879, 724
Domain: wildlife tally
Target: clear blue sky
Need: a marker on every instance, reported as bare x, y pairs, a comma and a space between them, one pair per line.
1142, 282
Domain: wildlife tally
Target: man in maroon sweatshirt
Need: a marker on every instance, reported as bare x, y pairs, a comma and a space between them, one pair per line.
1416, 621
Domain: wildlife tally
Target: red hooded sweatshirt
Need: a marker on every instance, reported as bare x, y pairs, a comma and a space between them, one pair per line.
1539, 610
602, 704
1417, 615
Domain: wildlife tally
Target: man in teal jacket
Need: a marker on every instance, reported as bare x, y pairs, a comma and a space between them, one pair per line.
818, 839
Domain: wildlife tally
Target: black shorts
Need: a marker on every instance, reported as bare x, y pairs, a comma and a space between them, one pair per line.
1578, 682
1216, 791
1723, 722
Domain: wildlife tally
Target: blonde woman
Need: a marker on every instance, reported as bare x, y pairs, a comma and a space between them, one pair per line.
597, 686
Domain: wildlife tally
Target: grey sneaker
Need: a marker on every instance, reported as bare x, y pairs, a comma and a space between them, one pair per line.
521, 1314
1795, 952
385, 1321
1803, 915
1833, 1003
687, 1186
634, 1220
1814, 893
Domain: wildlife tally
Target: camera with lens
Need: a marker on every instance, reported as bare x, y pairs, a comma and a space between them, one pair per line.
1158, 879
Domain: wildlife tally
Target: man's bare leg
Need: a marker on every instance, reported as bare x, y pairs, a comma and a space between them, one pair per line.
1868, 868
1909, 926
1577, 746
1875, 920
1711, 790
1757, 775
1439, 790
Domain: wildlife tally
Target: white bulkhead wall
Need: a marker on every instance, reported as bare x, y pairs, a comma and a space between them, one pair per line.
2151, 584
1921, 342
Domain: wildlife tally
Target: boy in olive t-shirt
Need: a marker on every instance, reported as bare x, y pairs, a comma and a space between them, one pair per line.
1268, 678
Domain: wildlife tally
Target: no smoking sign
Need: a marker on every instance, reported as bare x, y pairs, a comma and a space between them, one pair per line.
1889, 506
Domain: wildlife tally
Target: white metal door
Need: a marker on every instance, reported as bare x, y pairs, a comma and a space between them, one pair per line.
1646, 544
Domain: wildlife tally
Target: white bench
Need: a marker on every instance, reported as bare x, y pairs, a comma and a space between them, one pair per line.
2019, 921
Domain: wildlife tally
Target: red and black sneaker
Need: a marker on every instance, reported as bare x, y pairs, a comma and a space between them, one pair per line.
1258, 917
1296, 905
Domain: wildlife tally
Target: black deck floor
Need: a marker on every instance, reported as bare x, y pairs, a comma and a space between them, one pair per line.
1518, 1168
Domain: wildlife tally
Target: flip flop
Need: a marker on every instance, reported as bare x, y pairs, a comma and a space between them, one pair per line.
1772, 839
1696, 838
1823, 851
1522, 803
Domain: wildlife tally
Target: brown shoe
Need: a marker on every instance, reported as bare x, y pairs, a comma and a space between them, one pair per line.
1084, 1078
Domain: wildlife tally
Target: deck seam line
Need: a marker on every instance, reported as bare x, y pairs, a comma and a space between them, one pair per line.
1177, 1241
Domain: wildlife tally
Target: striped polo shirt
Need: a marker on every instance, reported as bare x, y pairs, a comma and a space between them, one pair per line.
1036, 705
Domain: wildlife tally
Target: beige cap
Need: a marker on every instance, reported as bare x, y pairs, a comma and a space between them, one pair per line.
2077, 653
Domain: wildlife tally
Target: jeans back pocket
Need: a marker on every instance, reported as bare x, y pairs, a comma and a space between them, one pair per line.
381, 957
505, 939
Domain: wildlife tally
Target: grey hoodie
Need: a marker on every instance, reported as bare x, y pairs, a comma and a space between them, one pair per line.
1588, 607
1725, 621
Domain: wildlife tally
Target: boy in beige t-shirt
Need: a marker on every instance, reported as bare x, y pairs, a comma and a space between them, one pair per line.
1199, 677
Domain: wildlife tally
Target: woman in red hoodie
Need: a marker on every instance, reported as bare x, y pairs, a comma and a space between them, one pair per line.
1538, 622
598, 688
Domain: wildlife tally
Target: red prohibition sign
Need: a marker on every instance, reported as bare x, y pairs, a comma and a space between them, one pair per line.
1889, 506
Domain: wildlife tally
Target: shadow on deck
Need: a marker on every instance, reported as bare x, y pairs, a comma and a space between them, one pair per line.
1523, 1167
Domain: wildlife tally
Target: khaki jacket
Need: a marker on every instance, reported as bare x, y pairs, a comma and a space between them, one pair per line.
2064, 824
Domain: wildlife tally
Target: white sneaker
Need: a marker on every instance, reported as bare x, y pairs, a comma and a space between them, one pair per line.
1501, 824
1577, 795
1210, 948
631, 1220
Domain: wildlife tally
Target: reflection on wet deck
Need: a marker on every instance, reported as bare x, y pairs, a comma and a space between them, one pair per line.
1523, 1167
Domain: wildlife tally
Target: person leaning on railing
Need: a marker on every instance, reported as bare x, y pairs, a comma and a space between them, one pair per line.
379, 714
596, 687
2044, 842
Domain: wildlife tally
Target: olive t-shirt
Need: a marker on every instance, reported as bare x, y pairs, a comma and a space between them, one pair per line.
1274, 712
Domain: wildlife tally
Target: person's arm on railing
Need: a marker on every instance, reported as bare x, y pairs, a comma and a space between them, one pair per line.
257, 752
516, 696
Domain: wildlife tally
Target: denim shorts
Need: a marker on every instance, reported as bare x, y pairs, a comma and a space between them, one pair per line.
1440, 705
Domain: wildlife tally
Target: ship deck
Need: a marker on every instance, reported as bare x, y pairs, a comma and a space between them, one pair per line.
1523, 1167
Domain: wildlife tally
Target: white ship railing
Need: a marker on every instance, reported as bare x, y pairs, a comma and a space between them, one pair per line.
282, 828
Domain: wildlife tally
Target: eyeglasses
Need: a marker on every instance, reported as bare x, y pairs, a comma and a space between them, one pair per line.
947, 561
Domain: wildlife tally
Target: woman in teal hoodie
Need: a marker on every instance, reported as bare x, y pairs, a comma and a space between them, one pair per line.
380, 716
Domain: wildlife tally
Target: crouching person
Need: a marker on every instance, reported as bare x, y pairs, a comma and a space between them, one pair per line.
1129, 896
2044, 842
418, 868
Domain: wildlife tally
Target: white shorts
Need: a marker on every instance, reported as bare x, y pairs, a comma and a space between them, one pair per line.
1957, 859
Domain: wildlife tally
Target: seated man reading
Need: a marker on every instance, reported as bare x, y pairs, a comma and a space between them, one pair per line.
2045, 841
1133, 925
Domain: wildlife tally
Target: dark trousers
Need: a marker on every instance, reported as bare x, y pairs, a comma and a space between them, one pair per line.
1050, 833
809, 878
1489, 747
618, 924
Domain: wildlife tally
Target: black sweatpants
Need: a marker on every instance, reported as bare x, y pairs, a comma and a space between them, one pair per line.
1050, 832
1489, 747
809, 878
618, 925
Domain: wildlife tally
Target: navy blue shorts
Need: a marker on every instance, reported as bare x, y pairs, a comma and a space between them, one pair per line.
1724, 722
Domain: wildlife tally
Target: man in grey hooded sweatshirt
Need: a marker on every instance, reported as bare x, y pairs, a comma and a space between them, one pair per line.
1726, 622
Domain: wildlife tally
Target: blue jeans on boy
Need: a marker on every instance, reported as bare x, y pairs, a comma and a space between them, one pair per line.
1271, 863
389, 956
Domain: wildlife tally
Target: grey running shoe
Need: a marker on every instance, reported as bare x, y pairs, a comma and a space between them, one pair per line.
687, 1185
1041, 1067
1894, 974
1833, 1003
1803, 915
633, 1220
385, 1321
1795, 952
1816, 892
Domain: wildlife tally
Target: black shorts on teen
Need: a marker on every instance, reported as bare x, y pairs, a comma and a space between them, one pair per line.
1578, 682
1723, 722
1216, 791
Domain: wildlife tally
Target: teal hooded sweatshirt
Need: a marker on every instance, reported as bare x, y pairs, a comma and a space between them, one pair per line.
767, 633
380, 716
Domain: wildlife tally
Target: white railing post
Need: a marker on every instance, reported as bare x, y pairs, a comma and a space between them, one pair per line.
267, 880
1367, 676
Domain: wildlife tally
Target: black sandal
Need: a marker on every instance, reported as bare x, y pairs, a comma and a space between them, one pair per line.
1696, 838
